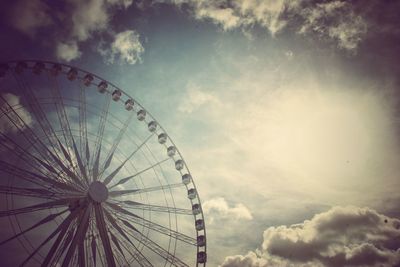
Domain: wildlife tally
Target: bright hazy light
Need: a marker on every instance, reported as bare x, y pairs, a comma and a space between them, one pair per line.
324, 141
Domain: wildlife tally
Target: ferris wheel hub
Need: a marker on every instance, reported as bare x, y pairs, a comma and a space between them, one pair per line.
98, 192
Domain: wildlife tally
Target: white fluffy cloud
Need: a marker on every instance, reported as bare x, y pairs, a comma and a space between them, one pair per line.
342, 236
6, 123
78, 24
333, 20
126, 47
218, 208
68, 51
86, 18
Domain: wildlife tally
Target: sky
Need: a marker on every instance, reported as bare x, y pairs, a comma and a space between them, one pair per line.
286, 112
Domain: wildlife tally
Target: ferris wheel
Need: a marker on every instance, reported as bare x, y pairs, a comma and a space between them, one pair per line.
88, 176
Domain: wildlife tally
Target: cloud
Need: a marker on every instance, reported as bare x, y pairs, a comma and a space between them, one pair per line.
68, 51
88, 17
286, 130
342, 236
334, 20
6, 124
122, 3
195, 98
225, 17
126, 47
295, 139
218, 208
79, 22
28, 16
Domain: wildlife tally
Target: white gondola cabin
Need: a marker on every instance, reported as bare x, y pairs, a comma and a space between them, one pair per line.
152, 126
196, 209
199, 224
179, 164
201, 257
201, 240
162, 138
87, 80
129, 104
102, 87
116, 95
171, 151
186, 178
141, 115
192, 193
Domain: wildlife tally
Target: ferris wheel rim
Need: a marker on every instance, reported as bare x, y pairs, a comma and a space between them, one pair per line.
112, 87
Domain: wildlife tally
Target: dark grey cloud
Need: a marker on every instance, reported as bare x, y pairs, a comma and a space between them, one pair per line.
65, 25
342, 236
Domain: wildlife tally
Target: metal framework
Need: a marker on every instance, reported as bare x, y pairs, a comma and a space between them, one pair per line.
89, 177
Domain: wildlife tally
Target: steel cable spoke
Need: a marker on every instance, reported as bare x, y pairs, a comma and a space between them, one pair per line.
126, 179
154, 208
99, 139
119, 193
46, 127
80, 233
47, 219
117, 140
31, 176
61, 229
30, 136
151, 225
101, 226
153, 246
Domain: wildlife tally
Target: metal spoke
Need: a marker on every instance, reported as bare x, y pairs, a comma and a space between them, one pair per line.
141, 259
124, 180
23, 154
83, 224
47, 219
141, 206
34, 141
31, 177
66, 129
64, 245
61, 229
80, 163
25, 131
153, 226
83, 125
153, 246
28, 192
99, 139
137, 255
116, 143
108, 179
118, 193
101, 226
37, 207
40, 115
